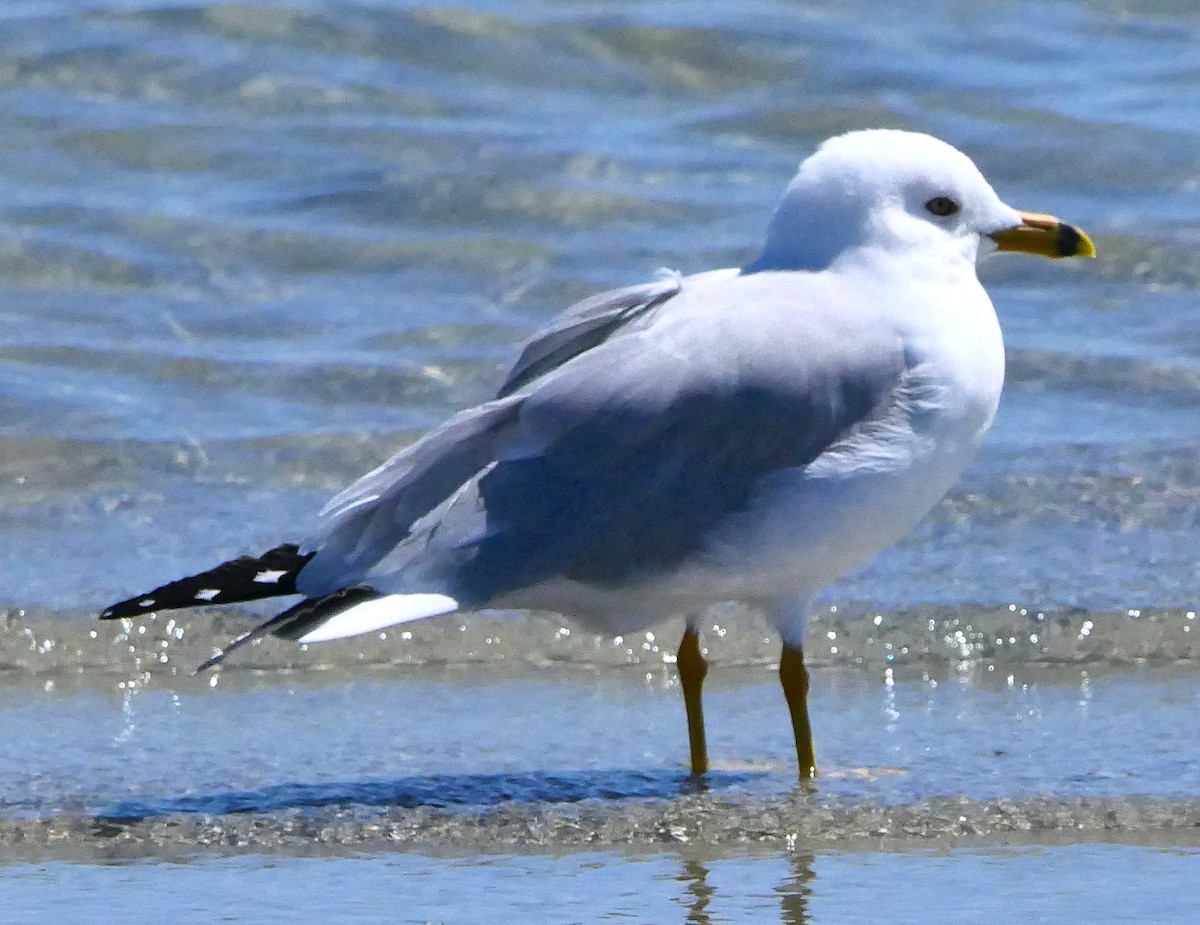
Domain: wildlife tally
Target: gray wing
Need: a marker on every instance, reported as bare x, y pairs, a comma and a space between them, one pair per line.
366, 520
634, 486
621, 460
583, 326
370, 517
580, 328
623, 463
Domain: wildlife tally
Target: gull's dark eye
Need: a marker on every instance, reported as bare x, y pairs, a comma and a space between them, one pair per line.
941, 206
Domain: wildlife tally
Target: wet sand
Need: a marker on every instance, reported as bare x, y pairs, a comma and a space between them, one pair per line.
713, 825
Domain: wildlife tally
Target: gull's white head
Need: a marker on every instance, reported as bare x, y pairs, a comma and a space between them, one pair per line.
905, 195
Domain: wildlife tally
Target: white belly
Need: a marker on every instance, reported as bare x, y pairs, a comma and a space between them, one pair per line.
807, 532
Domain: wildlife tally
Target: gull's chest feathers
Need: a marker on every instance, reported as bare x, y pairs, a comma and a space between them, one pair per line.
809, 525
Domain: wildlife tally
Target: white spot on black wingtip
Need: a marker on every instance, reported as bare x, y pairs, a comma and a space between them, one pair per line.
148, 602
107, 614
270, 576
207, 594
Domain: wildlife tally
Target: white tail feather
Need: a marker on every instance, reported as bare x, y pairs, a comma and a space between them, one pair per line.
380, 613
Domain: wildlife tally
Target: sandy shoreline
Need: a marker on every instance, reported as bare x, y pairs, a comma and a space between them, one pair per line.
712, 824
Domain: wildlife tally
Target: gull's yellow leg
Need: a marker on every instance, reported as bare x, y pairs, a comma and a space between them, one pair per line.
692, 669
794, 678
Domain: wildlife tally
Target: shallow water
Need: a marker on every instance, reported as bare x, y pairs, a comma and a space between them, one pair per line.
377, 740
247, 250
1049, 884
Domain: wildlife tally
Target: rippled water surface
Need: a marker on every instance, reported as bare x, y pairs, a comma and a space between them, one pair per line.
249, 249
676, 887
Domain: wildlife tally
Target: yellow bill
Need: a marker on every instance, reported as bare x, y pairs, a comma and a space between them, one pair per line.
1046, 236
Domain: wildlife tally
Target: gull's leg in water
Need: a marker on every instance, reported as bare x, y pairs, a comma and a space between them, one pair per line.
692, 669
793, 675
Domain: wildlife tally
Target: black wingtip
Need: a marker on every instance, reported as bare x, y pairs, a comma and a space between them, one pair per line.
134, 607
208, 663
247, 578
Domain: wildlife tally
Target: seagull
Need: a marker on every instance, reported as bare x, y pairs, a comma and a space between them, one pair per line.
747, 434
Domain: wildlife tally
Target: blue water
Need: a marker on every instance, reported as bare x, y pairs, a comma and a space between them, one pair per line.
252, 249
1052, 884
474, 739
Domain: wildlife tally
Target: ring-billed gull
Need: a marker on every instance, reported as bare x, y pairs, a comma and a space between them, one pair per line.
749, 434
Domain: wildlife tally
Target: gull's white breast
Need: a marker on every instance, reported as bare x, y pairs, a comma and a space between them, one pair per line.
808, 527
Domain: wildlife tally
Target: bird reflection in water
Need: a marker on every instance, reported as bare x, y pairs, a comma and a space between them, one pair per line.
794, 891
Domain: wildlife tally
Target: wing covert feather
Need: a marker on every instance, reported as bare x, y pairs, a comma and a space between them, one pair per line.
582, 327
